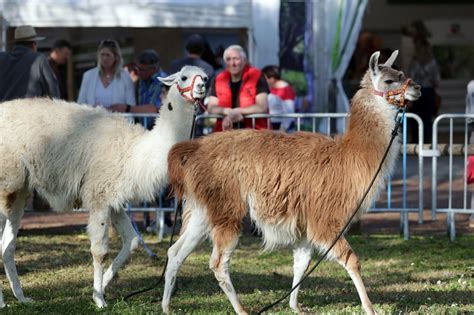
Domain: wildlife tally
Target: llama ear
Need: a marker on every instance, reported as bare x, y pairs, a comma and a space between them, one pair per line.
169, 80
374, 64
391, 60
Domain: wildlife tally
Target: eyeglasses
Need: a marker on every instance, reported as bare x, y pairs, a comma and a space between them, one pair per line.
108, 43
144, 67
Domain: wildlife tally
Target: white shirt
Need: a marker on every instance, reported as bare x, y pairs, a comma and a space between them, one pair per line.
104, 95
470, 98
470, 107
122, 89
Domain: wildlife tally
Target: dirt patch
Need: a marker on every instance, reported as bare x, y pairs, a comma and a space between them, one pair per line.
389, 223
372, 223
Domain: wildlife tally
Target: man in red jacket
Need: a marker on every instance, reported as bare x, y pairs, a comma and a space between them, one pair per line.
238, 90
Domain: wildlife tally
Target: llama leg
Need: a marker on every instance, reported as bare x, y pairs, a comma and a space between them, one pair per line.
130, 240
224, 242
9, 238
98, 228
3, 221
301, 258
193, 231
345, 256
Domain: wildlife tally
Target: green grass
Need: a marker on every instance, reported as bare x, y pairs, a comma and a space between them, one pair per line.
419, 276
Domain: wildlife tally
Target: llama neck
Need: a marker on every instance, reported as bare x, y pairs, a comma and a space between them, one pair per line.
369, 132
148, 170
364, 144
371, 121
176, 118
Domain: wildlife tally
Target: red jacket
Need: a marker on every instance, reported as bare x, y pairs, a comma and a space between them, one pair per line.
247, 95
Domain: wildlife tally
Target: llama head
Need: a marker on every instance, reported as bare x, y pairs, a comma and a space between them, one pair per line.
390, 83
190, 82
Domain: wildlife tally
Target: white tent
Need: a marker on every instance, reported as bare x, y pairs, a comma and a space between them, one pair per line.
259, 17
332, 30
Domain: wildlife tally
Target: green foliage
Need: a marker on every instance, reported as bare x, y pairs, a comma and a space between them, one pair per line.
420, 276
297, 80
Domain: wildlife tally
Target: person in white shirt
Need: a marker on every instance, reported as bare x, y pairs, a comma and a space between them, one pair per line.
281, 99
107, 84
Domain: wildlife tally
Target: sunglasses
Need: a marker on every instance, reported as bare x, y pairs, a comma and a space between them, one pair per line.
143, 67
108, 43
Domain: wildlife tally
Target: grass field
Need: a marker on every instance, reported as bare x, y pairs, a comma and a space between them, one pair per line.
419, 276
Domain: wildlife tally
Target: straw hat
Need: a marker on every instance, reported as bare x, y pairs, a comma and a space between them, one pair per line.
26, 33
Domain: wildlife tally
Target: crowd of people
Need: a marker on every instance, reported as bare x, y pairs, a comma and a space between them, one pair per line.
235, 91
236, 88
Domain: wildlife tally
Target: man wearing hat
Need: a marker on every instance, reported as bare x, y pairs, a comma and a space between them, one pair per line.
23, 71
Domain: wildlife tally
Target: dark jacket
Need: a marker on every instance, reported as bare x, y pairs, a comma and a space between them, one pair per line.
24, 73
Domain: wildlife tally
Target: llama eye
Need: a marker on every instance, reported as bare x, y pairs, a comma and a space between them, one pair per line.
388, 81
204, 79
184, 78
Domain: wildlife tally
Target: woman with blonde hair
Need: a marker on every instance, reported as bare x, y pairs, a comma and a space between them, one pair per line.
107, 84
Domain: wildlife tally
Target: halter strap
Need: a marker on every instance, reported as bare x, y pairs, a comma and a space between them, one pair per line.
190, 88
390, 95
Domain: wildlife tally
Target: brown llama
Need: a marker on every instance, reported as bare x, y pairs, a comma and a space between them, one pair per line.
300, 189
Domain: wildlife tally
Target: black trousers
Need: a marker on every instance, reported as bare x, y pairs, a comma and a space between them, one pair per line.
425, 108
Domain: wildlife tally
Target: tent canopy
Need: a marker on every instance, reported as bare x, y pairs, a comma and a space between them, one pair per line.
137, 13
259, 17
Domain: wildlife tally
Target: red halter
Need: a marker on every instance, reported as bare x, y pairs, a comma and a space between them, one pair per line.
390, 95
190, 88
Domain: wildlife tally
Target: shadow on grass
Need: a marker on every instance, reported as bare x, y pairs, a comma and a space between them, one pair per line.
316, 291
60, 230
411, 301
187, 299
255, 284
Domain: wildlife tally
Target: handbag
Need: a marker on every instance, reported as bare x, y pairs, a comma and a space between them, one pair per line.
470, 169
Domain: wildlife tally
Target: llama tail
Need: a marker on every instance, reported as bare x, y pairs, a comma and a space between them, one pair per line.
177, 159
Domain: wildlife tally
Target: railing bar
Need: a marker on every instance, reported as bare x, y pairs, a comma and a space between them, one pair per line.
434, 170
450, 186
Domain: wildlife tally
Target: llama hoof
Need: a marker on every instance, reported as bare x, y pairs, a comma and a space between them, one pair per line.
99, 302
241, 311
369, 311
26, 300
297, 309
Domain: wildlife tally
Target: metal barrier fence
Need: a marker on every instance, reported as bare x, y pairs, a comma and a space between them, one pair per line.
449, 190
404, 192
454, 191
396, 197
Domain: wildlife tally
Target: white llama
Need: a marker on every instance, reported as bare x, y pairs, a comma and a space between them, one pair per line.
78, 156
300, 189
